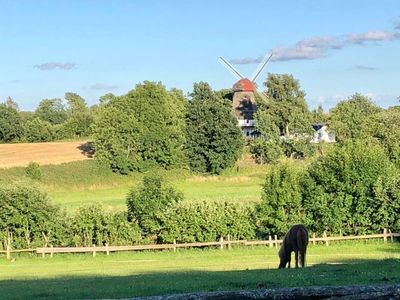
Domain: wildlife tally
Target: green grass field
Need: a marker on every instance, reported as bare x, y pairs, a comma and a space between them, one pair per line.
165, 272
81, 183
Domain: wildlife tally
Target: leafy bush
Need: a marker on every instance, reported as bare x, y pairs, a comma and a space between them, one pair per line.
33, 171
27, 216
266, 151
205, 222
147, 203
37, 130
281, 204
352, 189
91, 225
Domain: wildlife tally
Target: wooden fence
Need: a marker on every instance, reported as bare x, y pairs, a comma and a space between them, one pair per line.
271, 242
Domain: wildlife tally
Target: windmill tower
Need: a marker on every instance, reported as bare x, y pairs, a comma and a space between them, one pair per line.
243, 104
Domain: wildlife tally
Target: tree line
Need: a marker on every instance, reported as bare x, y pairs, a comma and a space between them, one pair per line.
151, 125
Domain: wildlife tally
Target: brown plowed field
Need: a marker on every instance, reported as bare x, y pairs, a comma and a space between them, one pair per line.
12, 155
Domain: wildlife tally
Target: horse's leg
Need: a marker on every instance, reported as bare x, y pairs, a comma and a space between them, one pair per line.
303, 258
296, 256
289, 259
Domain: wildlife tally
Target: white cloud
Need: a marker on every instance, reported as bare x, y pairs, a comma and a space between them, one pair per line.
372, 36
55, 65
318, 47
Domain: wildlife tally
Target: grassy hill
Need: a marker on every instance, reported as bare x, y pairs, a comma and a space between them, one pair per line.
83, 182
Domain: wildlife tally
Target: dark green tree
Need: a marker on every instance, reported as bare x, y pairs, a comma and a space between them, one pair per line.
52, 111
141, 129
214, 141
11, 128
37, 130
79, 116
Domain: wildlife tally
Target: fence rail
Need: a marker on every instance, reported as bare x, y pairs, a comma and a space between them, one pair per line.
271, 242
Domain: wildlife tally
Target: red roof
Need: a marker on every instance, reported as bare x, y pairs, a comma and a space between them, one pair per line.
243, 85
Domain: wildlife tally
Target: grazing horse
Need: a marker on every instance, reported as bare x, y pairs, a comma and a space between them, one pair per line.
296, 239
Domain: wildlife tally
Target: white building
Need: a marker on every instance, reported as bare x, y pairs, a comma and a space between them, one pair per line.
322, 134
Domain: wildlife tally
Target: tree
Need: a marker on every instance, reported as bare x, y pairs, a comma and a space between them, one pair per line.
281, 204
214, 141
384, 126
37, 130
340, 189
142, 128
27, 215
11, 103
318, 115
79, 117
10, 124
51, 110
287, 105
147, 203
348, 119
116, 134
284, 122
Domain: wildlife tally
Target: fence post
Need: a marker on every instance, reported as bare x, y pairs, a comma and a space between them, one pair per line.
51, 251
229, 242
276, 241
270, 241
385, 235
221, 240
107, 250
8, 247
8, 251
94, 250
174, 245
313, 236
391, 235
326, 240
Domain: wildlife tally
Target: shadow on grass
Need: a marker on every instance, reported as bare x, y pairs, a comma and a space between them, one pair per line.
362, 272
87, 149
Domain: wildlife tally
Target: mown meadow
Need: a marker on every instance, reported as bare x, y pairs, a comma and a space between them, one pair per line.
165, 272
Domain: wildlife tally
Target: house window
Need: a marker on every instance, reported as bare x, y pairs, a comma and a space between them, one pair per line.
247, 133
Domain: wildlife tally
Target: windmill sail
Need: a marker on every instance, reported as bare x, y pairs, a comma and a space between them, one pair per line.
230, 67
263, 64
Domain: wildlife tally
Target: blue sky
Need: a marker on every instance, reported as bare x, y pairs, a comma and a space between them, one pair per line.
334, 48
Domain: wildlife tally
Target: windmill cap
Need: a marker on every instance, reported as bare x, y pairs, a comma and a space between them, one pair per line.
243, 85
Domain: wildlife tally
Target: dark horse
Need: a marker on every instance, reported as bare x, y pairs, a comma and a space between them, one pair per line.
295, 240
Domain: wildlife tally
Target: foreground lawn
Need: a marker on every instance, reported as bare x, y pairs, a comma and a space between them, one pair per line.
166, 272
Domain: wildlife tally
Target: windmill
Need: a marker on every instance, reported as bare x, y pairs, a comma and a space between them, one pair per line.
243, 103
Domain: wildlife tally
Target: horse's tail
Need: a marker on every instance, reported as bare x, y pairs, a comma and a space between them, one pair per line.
302, 239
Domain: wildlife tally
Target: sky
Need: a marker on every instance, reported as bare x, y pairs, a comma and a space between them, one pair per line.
334, 48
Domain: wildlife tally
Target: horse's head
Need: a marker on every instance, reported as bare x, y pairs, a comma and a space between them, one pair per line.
282, 264
283, 257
